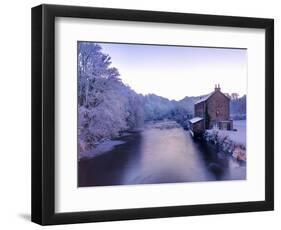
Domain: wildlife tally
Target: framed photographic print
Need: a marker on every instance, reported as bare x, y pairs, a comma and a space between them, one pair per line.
142, 114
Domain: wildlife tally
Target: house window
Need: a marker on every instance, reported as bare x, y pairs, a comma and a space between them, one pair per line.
217, 113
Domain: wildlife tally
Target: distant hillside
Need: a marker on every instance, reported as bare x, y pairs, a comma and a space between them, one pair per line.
188, 103
157, 107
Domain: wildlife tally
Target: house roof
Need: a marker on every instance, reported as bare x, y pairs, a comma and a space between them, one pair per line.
205, 98
195, 120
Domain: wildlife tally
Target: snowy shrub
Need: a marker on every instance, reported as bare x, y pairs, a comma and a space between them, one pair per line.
226, 144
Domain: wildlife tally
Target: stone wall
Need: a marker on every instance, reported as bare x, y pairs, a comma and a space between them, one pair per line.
199, 110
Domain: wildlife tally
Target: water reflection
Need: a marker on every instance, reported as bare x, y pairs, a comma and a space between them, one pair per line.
159, 154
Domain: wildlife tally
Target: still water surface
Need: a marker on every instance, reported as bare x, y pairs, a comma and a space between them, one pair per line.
161, 153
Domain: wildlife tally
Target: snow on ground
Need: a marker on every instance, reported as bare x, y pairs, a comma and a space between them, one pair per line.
233, 142
165, 124
239, 136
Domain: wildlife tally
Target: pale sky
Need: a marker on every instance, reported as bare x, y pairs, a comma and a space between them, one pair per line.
175, 72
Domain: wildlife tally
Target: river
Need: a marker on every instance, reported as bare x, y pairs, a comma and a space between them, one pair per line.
162, 153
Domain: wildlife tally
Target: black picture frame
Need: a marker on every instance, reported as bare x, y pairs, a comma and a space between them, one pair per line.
43, 114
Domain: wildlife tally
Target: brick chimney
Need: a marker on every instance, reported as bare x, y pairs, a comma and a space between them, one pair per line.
217, 87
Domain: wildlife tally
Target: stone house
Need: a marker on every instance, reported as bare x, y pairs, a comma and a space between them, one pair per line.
212, 111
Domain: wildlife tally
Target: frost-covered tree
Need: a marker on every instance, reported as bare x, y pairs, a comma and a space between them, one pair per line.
106, 107
93, 70
157, 108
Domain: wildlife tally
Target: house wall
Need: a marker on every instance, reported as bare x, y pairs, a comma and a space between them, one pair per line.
198, 127
199, 110
217, 108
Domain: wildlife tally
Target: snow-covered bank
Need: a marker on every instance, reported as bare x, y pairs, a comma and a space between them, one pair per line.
165, 124
101, 148
233, 142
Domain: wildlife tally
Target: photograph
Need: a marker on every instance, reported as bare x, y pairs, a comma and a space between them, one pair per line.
160, 113
143, 113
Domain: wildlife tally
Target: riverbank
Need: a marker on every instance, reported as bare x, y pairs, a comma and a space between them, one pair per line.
165, 124
106, 145
232, 142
